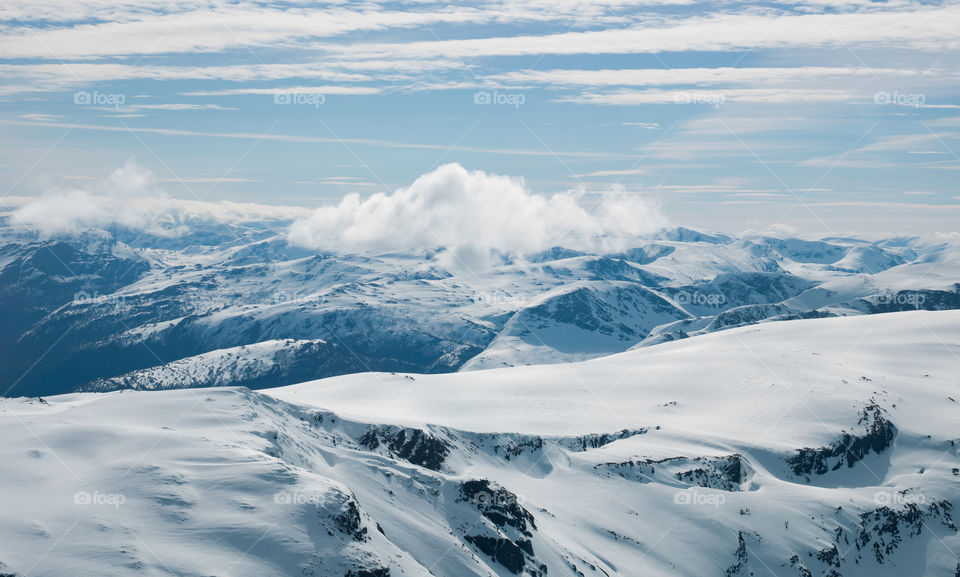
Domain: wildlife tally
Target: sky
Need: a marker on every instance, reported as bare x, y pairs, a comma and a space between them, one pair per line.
826, 117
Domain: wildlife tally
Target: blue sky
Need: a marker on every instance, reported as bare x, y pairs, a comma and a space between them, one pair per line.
827, 116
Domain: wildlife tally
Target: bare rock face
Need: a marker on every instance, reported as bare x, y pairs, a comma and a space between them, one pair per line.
726, 473
412, 445
884, 529
877, 436
376, 572
508, 538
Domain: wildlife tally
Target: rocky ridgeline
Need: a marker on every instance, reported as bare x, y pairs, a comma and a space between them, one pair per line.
412, 445
873, 536
884, 529
512, 445
506, 537
725, 473
878, 434
430, 448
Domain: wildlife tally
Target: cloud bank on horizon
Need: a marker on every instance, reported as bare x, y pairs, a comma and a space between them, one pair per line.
128, 198
470, 213
827, 115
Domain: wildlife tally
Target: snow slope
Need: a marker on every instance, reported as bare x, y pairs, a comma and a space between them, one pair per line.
814, 447
251, 366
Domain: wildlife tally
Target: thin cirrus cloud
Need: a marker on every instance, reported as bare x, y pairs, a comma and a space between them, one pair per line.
311, 139
713, 85
716, 98
189, 27
644, 125
51, 77
568, 11
927, 29
865, 155
324, 90
258, 28
207, 31
696, 76
269, 34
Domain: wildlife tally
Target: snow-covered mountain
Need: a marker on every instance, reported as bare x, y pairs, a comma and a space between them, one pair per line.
115, 308
822, 447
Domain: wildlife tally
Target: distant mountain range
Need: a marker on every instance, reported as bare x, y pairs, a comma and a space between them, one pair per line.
231, 302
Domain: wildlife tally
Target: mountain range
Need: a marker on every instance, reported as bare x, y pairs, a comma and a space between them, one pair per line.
220, 301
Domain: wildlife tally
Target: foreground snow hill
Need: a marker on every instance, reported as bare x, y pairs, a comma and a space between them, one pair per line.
815, 447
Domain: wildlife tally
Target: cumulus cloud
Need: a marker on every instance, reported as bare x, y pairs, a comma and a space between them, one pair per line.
472, 213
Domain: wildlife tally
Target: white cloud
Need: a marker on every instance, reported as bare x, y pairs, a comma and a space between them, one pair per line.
308, 42
695, 76
346, 90
200, 29
877, 154
930, 29
646, 125
756, 123
131, 198
716, 98
41, 117
44, 77
624, 172
951, 121
176, 106
301, 138
471, 213
128, 198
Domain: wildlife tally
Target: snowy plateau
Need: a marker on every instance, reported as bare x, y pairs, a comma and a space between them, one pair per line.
220, 403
